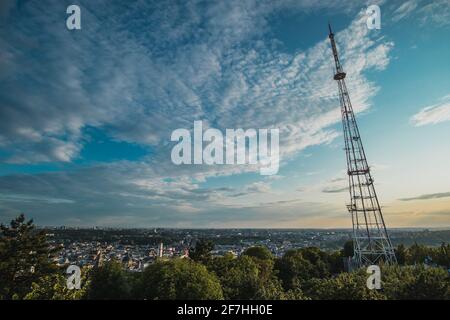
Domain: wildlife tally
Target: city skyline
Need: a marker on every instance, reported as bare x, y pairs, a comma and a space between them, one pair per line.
88, 113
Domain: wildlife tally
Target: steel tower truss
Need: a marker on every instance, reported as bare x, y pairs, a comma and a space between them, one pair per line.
370, 238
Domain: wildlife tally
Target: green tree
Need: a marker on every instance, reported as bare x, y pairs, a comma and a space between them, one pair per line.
258, 252
109, 282
238, 276
293, 269
401, 254
417, 254
336, 263
298, 266
54, 287
202, 251
415, 283
247, 278
348, 249
25, 257
345, 286
441, 255
319, 259
179, 279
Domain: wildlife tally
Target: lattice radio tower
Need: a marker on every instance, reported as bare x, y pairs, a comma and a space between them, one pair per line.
370, 238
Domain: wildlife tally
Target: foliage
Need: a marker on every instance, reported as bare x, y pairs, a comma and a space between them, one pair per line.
400, 254
248, 277
298, 266
202, 251
419, 254
258, 252
25, 257
54, 287
415, 283
348, 250
179, 279
345, 286
398, 283
109, 282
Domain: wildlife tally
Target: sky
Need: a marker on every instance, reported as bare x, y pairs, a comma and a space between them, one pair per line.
87, 115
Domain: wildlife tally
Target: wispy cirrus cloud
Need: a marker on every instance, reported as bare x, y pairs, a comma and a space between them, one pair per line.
335, 189
404, 10
436, 12
138, 79
25, 198
433, 114
428, 196
136, 72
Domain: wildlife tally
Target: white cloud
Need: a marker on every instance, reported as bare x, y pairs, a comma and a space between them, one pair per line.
437, 11
433, 114
140, 78
404, 10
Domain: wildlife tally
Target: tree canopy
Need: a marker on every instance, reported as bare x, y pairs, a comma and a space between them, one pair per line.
109, 282
201, 252
258, 252
179, 279
25, 257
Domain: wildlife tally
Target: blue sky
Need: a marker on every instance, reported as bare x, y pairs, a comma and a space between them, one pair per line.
87, 114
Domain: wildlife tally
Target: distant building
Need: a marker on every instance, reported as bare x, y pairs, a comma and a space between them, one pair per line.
161, 250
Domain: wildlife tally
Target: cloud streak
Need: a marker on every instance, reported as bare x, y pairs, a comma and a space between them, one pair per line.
404, 10
428, 196
433, 114
335, 189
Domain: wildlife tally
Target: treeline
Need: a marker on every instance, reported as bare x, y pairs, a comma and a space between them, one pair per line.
27, 271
